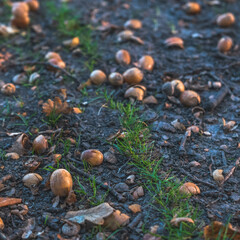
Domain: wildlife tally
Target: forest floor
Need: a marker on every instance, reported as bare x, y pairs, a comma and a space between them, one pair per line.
142, 139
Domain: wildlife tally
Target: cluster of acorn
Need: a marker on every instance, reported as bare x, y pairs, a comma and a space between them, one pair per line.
132, 76
20, 12
55, 59
176, 88
223, 20
61, 180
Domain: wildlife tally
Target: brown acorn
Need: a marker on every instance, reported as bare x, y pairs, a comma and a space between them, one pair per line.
92, 156
123, 57
192, 8
61, 182
146, 63
137, 91
116, 79
189, 188
178, 87
190, 98
97, 77
225, 44
133, 24
133, 76
40, 144
226, 20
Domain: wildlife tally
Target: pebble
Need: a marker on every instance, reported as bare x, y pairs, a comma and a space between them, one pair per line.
121, 187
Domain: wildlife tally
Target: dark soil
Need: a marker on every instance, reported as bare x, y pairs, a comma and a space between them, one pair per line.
196, 64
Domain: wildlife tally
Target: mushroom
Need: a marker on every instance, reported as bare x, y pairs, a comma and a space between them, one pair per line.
137, 91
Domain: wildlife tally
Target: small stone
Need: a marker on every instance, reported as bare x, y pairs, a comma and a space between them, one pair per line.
110, 157
121, 187
70, 230
130, 179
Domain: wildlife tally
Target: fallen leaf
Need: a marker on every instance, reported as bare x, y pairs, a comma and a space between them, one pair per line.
71, 198
6, 30
28, 230
138, 192
135, 208
149, 236
56, 106
5, 201
176, 221
217, 229
94, 215
12, 155
116, 220
77, 110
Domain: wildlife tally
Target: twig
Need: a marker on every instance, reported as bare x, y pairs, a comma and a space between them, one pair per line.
213, 103
50, 131
135, 221
231, 171
197, 179
44, 64
182, 149
224, 159
119, 197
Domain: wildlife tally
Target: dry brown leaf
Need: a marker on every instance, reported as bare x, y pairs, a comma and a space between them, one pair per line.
56, 106
116, 220
5, 201
94, 215
12, 155
176, 221
218, 229
135, 208
138, 193
71, 198
77, 110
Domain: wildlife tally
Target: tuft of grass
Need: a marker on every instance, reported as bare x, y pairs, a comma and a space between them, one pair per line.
2, 154
161, 186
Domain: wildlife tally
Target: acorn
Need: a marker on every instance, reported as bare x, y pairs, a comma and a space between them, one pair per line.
61, 182
19, 7
31, 179
137, 91
20, 16
40, 144
217, 175
226, 20
178, 87
125, 35
8, 89
189, 188
192, 8
133, 76
174, 42
123, 57
225, 44
146, 63
92, 156
190, 98
33, 4
52, 55
133, 24
58, 63
97, 77
116, 79
20, 22
168, 88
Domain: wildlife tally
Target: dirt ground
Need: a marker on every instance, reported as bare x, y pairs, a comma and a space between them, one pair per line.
214, 147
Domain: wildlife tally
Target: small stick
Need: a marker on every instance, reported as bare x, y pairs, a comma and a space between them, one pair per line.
197, 179
224, 159
50, 131
119, 197
135, 221
231, 171
213, 103
182, 149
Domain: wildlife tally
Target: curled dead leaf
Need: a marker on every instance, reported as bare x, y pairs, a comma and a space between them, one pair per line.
1, 224
135, 208
176, 221
56, 106
21, 146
